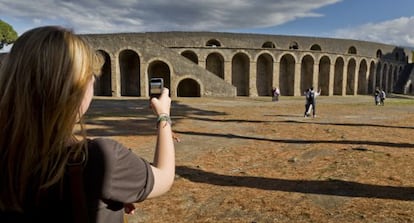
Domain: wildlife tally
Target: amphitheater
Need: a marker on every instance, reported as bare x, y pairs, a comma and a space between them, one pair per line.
200, 64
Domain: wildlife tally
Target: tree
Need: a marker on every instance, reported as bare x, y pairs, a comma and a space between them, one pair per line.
7, 34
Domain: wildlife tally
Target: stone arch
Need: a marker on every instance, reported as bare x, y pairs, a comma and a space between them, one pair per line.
240, 66
379, 54
323, 78
103, 86
293, 45
306, 73
190, 55
338, 76
352, 50
264, 74
316, 47
287, 75
362, 78
213, 43
390, 78
350, 78
269, 44
160, 69
215, 64
371, 78
378, 75
129, 64
188, 87
384, 76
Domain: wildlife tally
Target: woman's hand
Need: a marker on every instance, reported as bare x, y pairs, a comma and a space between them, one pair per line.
129, 208
162, 105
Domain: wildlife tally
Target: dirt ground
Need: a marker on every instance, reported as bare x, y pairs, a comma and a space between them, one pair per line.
255, 161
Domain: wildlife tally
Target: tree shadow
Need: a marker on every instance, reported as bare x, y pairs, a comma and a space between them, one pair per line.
327, 187
348, 124
302, 141
132, 116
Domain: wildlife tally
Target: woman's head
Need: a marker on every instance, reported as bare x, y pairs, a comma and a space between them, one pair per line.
43, 81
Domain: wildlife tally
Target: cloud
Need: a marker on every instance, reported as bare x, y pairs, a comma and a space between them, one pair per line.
107, 16
398, 32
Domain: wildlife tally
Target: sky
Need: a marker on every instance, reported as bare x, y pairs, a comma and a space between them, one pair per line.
383, 21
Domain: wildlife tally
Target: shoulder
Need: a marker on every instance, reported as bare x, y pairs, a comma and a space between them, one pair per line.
108, 149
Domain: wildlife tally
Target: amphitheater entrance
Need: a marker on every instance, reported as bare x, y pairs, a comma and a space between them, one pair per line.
188, 88
240, 74
215, 64
306, 77
323, 78
287, 75
350, 80
338, 76
371, 78
129, 64
264, 74
362, 78
102, 86
160, 69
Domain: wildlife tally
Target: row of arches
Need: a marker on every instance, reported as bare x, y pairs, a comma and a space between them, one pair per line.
131, 78
292, 73
294, 45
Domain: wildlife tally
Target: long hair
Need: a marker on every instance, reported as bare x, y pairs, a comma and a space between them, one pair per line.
43, 81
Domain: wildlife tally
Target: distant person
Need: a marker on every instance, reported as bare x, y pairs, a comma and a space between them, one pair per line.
382, 97
377, 96
47, 173
310, 104
275, 94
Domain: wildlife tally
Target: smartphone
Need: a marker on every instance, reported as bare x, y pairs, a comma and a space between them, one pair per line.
156, 87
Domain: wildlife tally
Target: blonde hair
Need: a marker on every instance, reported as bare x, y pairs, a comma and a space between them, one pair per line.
43, 81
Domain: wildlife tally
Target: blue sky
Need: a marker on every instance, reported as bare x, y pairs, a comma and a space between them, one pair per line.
384, 21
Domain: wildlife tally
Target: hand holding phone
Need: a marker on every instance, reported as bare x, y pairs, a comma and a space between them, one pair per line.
156, 87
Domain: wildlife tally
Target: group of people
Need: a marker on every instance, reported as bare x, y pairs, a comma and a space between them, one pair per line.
379, 96
49, 174
310, 103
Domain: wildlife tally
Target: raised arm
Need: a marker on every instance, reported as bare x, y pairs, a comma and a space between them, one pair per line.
163, 165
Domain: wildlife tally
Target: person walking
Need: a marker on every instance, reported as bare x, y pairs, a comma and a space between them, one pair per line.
310, 104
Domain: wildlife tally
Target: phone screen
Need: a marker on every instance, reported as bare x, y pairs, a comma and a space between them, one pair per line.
156, 87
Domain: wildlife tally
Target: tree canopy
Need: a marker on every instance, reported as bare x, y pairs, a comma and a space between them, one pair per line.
7, 34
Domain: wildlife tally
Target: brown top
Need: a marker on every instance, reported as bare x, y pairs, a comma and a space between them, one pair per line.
113, 175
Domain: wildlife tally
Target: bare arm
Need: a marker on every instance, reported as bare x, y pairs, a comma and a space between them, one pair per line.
163, 165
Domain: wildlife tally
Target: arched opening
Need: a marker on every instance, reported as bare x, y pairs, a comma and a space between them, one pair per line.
213, 43
188, 88
269, 45
378, 75
293, 45
350, 80
323, 78
215, 64
384, 77
240, 66
352, 50
306, 74
287, 75
129, 64
316, 47
338, 76
102, 86
190, 55
362, 78
264, 73
379, 54
371, 78
159, 69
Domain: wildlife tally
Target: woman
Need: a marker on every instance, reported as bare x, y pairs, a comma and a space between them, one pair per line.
46, 85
